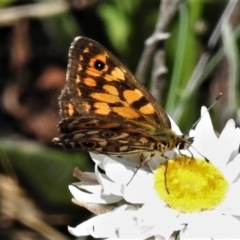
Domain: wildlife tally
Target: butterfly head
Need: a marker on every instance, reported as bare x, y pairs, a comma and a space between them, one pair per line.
169, 140
184, 142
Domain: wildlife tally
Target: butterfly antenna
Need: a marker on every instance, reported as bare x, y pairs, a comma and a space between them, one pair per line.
214, 102
207, 160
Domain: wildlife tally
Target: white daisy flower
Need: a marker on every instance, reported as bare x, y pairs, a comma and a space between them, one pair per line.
196, 195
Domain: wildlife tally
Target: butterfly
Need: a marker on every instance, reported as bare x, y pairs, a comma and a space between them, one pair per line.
105, 109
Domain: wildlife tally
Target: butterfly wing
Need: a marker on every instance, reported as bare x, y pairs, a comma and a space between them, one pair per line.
98, 85
98, 135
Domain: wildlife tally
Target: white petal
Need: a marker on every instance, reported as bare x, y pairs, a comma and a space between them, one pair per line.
204, 136
93, 198
174, 126
98, 158
90, 187
139, 190
205, 124
100, 226
232, 169
120, 223
225, 145
215, 227
163, 219
120, 171
155, 212
231, 205
108, 187
235, 143
234, 190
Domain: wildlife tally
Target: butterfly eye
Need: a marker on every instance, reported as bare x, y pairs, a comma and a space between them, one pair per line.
99, 65
164, 143
181, 145
109, 134
88, 145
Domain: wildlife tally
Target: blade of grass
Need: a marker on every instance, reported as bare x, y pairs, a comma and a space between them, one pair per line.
179, 60
231, 52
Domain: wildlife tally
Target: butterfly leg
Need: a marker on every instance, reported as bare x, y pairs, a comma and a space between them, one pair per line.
165, 178
165, 172
184, 155
142, 163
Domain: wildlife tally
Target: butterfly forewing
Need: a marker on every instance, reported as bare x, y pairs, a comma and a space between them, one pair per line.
98, 85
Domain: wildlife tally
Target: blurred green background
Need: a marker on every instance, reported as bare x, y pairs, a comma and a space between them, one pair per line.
34, 40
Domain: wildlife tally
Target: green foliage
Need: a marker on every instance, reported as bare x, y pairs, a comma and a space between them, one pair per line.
183, 46
116, 22
5, 3
46, 172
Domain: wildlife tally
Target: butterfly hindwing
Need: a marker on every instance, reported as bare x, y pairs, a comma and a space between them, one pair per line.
113, 138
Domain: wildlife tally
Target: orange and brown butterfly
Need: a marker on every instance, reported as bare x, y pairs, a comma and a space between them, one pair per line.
105, 109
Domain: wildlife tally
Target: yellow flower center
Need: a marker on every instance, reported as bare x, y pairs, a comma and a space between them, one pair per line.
190, 185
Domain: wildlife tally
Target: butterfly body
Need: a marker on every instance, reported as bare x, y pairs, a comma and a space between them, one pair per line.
105, 109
